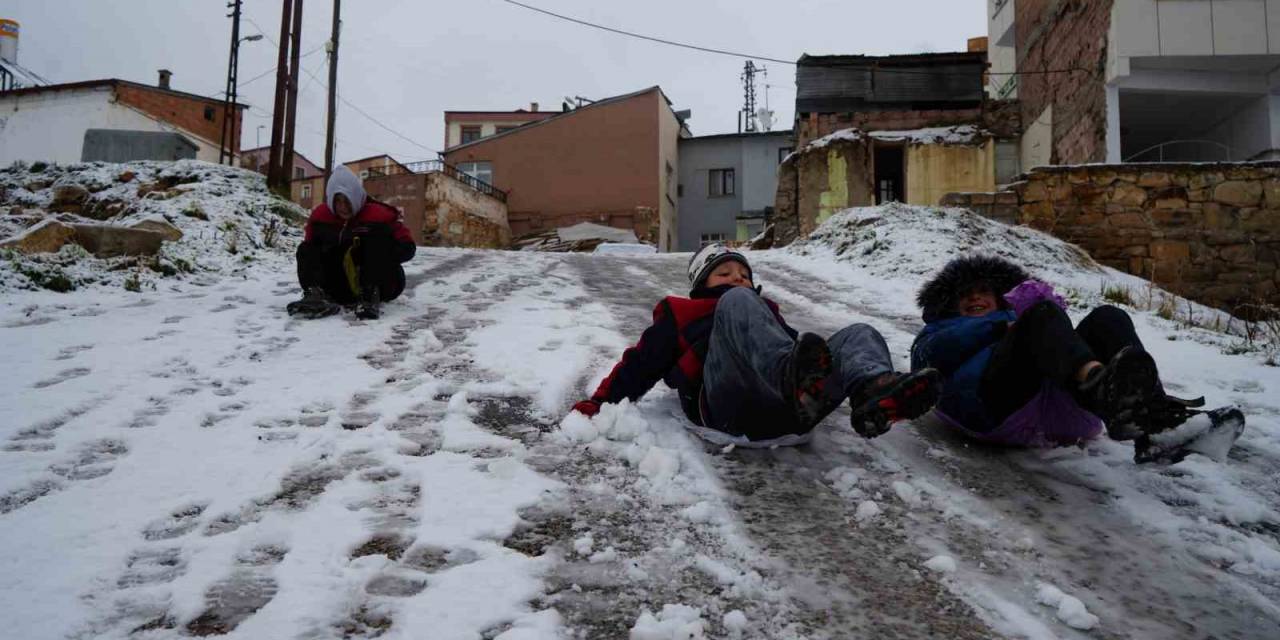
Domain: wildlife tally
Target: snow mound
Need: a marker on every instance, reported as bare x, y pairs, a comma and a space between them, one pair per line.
674, 622
909, 240
1071, 610
228, 218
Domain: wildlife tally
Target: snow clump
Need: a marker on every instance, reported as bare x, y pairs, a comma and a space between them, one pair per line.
674, 622
1070, 609
941, 564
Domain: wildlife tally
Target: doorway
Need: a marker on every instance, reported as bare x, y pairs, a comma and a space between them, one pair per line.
890, 174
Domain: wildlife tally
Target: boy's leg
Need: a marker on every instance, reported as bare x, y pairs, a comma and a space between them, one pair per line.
379, 267
310, 266
744, 367
1041, 345
860, 355
877, 395
1107, 330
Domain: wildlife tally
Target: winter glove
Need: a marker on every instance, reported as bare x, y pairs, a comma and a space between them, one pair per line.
587, 408
1031, 292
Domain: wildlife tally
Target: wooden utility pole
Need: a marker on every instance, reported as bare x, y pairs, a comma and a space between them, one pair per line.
226, 150
333, 90
275, 181
286, 163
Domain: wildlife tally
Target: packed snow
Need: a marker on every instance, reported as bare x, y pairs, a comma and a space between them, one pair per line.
188, 460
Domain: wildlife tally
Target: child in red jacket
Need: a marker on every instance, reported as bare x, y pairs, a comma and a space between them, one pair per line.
745, 377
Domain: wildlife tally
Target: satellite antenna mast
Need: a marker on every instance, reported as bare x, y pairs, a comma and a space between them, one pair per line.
747, 118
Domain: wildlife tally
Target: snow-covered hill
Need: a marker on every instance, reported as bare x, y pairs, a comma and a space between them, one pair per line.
189, 460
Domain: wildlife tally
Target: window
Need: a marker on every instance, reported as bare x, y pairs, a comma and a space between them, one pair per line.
721, 183
672, 194
482, 171
710, 238
306, 191
299, 172
470, 133
679, 191
783, 152
364, 173
208, 114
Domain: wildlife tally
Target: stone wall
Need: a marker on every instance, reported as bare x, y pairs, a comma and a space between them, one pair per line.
1062, 34
1001, 117
1210, 232
442, 212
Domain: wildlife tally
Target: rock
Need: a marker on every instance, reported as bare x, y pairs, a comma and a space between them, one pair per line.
46, 237
1154, 179
1170, 250
106, 241
69, 198
37, 185
105, 209
170, 232
15, 210
1034, 192
126, 177
1238, 193
1128, 195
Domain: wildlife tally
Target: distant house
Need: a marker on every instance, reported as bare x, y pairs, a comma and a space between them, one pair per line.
611, 162
307, 186
257, 158
461, 127
1140, 80
53, 122
908, 128
727, 185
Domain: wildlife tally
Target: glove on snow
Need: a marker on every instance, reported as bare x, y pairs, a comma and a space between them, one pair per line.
587, 408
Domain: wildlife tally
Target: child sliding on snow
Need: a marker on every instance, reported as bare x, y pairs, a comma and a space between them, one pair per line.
745, 377
1017, 373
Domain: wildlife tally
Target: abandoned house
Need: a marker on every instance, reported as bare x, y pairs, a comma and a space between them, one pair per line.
908, 128
612, 162
1140, 80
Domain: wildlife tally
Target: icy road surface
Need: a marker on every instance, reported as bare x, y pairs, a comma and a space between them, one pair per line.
191, 461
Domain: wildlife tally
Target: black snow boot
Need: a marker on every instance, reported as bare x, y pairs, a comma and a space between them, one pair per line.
369, 307
806, 368
1122, 391
315, 303
891, 398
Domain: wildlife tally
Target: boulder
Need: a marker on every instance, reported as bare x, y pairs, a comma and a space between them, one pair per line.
1238, 193
126, 177
106, 241
69, 198
45, 237
170, 232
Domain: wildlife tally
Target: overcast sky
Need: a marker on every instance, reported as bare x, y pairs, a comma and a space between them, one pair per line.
404, 62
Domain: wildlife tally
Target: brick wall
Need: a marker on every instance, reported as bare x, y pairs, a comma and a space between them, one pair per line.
1057, 34
1210, 232
184, 112
442, 212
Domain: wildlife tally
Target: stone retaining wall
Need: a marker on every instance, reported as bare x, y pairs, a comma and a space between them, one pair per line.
1210, 232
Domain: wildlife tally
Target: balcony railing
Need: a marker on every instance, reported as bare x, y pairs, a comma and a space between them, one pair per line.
439, 166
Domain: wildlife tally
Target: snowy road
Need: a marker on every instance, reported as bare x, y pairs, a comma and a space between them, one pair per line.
194, 462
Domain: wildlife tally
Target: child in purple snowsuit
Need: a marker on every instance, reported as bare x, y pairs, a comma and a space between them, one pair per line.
1015, 370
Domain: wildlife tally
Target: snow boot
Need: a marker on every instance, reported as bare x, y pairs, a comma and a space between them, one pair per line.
1209, 433
1122, 390
370, 307
806, 368
891, 398
315, 303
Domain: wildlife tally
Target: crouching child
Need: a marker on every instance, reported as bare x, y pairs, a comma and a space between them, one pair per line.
351, 253
745, 377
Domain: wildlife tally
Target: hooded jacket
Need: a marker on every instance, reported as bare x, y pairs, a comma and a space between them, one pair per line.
327, 230
672, 349
960, 347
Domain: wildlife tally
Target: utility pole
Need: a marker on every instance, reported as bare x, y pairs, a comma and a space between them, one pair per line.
295, 54
747, 119
226, 150
333, 90
274, 180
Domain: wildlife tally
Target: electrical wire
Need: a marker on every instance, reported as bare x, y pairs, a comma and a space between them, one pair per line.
793, 63
371, 118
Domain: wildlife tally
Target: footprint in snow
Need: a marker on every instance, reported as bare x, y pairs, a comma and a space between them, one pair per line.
63, 376
67, 353
149, 416
178, 523
152, 566
173, 319
93, 460
232, 600
223, 307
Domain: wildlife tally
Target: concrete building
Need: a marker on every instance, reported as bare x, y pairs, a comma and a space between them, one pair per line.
1143, 80
727, 185
611, 162
51, 122
461, 127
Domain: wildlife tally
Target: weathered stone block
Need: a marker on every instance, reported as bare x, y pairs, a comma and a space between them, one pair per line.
1103, 178
1136, 250
1127, 220
1237, 253
1129, 195
1154, 179
1170, 250
1173, 216
45, 237
1238, 193
1034, 192
1204, 180
1007, 197
1199, 195
105, 241
982, 198
170, 232
69, 198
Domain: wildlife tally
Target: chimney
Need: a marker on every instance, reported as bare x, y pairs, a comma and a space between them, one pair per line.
165, 74
533, 106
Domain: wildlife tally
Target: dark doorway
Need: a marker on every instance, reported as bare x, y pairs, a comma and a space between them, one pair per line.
891, 184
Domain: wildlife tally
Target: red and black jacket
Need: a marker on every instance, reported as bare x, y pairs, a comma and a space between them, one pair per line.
326, 230
672, 349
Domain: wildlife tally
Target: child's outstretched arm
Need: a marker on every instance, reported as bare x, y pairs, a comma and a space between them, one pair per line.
947, 344
641, 366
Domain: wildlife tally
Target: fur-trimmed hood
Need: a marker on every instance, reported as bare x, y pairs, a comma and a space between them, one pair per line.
939, 296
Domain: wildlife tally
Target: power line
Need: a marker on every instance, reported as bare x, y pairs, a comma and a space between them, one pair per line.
793, 63
371, 118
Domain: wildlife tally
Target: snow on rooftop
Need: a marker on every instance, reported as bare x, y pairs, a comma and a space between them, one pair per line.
965, 134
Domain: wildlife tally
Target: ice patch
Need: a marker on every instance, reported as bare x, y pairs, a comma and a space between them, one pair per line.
908, 494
